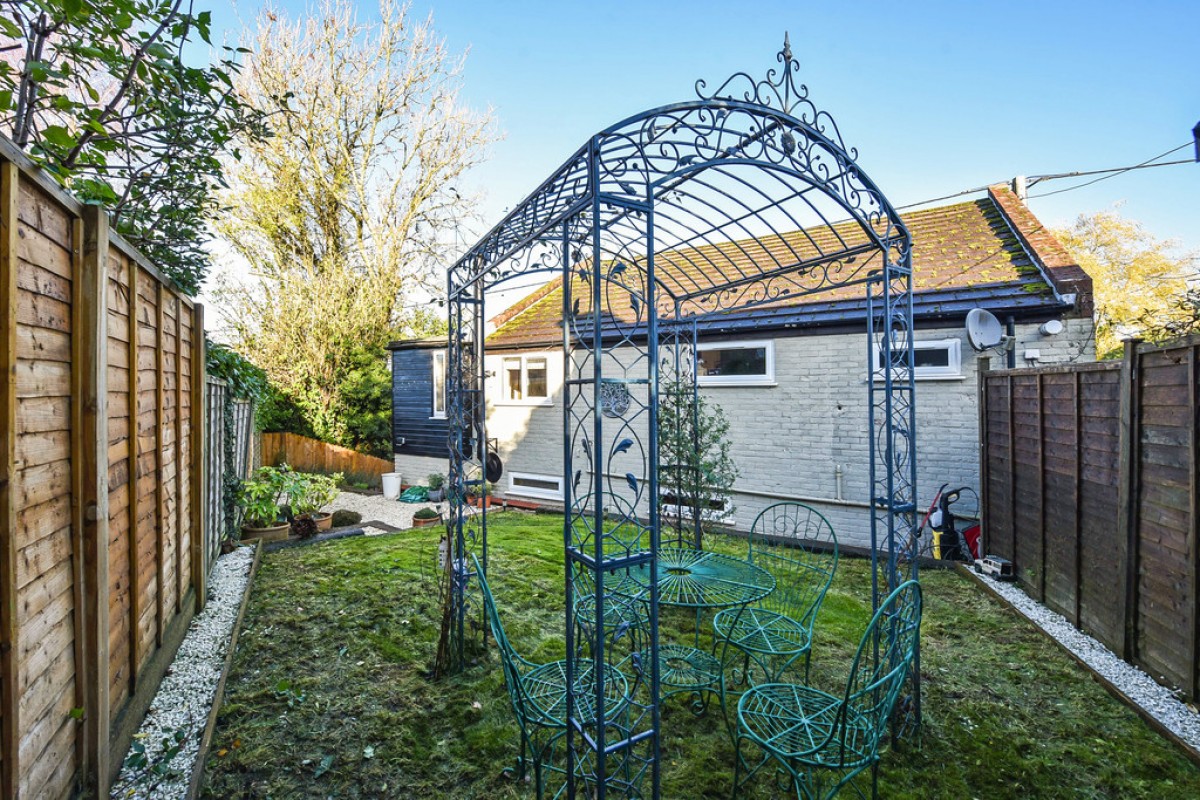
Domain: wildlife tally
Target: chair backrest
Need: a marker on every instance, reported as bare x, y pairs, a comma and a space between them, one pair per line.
875, 682
510, 659
797, 545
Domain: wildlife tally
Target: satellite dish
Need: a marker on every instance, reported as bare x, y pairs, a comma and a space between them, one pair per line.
984, 331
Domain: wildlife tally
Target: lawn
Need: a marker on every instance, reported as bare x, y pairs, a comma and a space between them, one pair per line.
329, 694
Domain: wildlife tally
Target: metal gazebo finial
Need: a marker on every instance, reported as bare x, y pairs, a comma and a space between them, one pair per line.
787, 48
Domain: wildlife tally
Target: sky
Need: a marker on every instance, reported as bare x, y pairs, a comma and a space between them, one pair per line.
937, 97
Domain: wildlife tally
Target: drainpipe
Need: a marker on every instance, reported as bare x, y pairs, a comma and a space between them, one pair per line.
837, 480
1010, 327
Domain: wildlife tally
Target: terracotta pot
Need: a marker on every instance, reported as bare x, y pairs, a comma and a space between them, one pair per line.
425, 523
272, 534
324, 521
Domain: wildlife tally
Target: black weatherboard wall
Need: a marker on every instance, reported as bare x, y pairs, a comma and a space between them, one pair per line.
412, 401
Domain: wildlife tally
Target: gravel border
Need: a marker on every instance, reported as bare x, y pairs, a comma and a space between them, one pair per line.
1153, 698
185, 696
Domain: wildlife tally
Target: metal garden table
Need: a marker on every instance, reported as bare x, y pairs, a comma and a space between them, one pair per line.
701, 579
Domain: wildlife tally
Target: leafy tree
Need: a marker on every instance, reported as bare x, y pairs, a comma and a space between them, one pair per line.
694, 456
97, 93
1180, 318
1137, 278
344, 216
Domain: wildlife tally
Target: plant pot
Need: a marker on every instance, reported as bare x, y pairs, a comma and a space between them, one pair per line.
324, 521
391, 486
426, 523
272, 534
437, 495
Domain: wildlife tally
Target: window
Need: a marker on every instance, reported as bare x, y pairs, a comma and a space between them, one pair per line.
736, 364
439, 384
544, 486
936, 358
525, 379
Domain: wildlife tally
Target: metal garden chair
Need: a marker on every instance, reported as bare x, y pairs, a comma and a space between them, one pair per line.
538, 694
819, 741
681, 668
797, 545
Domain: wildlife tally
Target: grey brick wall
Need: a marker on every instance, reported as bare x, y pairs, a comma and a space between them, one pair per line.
789, 439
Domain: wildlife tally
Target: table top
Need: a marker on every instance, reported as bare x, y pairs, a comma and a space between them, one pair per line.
700, 579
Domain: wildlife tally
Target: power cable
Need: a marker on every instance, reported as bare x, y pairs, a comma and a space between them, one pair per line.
1105, 174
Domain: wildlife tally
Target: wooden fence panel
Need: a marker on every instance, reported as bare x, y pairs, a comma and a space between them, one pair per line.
1166, 608
1026, 444
997, 463
1098, 504
1060, 440
97, 488
310, 455
1101, 549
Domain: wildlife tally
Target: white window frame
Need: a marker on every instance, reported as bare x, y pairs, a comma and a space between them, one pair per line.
438, 355
951, 372
527, 491
502, 395
766, 379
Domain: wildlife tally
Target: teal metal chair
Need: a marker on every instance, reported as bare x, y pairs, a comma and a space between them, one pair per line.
682, 669
797, 545
538, 694
819, 741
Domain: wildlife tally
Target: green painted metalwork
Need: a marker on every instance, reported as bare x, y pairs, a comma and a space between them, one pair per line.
538, 694
798, 546
820, 741
703, 579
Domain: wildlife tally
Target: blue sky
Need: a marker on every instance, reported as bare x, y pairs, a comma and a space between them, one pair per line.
937, 96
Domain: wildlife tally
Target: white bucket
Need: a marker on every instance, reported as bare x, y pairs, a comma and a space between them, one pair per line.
391, 486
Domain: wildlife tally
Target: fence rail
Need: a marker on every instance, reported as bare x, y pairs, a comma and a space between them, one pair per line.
310, 455
101, 494
1089, 478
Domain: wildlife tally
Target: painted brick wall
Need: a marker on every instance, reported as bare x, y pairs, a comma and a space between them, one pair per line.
788, 439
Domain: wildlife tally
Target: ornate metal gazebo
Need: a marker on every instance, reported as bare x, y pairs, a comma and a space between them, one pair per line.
740, 198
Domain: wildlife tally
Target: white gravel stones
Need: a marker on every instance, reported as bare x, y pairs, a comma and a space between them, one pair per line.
1156, 699
186, 693
375, 507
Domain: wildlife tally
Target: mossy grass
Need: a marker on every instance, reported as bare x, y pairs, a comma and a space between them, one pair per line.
349, 629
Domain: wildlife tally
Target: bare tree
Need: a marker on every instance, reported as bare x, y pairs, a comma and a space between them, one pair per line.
346, 212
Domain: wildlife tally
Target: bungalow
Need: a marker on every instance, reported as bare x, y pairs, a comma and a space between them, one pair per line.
791, 377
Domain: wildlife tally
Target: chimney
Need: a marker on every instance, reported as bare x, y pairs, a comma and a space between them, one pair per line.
1019, 188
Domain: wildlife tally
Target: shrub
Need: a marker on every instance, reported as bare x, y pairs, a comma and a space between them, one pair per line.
426, 513
343, 518
258, 497
435, 480
308, 492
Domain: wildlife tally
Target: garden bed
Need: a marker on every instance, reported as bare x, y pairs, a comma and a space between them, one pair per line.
329, 694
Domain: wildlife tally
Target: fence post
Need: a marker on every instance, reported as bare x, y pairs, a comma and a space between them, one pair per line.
985, 366
199, 456
1127, 518
9, 723
91, 362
